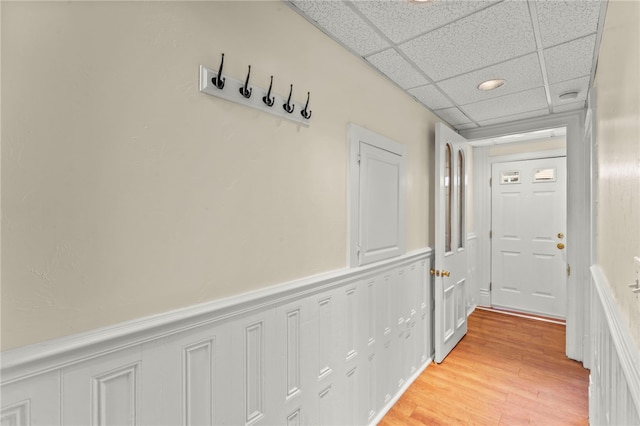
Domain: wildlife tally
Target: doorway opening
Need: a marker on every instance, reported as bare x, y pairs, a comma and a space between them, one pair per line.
523, 206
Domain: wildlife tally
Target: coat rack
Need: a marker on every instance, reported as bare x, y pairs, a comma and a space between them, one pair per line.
215, 83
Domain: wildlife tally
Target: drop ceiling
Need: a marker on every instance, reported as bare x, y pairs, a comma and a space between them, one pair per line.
440, 51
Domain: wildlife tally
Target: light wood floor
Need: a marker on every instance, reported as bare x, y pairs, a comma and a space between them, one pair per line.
507, 370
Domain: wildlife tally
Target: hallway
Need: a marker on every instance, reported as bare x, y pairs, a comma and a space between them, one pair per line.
507, 370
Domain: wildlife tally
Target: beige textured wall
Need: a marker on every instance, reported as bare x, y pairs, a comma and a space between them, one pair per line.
126, 192
618, 138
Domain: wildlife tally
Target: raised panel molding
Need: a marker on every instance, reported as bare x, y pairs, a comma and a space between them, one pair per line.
16, 415
324, 337
254, 372
197, 373
293, 353
114, 399
322, 350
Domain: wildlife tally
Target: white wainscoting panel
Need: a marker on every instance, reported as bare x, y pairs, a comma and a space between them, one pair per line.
614, 390
338, 348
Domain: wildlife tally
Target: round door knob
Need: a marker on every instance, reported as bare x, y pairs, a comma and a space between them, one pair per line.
432, 271
560, 246
446, 273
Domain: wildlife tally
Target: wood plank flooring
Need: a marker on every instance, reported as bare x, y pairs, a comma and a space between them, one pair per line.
507, 370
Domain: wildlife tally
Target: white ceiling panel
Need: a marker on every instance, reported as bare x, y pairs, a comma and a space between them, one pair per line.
515, 117
493, 35
402, 20
397, 68
466, 126
570, 60
341, 23
580, 85
439, 51
431, 97
515, 103
568, 107
520, 74
562, 21
453, 116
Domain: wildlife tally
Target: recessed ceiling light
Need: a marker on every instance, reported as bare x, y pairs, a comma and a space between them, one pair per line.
568, 95
491, 84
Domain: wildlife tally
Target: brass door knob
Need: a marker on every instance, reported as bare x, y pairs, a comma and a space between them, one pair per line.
432, 271
446, 273
560, 246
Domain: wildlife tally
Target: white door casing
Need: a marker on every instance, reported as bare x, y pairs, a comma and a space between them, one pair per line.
529, 265
450, 243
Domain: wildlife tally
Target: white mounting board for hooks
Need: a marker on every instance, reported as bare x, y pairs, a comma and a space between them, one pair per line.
231, 92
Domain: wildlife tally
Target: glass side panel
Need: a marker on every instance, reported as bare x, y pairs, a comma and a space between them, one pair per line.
461, 199
448, 198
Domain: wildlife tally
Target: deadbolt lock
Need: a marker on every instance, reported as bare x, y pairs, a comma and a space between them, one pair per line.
560, 235
560, 246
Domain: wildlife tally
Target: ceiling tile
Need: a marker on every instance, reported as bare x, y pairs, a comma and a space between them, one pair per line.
397, 69
515, 117
452, 116
343, 24
580, 85
402, 20
520, 74
431, 97
466, 126
570, 60
568, 107
515, 103
561, 21
490, 36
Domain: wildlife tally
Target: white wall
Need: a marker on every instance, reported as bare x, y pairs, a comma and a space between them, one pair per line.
127, 193
618, 153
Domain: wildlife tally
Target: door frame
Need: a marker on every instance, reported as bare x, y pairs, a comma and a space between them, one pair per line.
579, 201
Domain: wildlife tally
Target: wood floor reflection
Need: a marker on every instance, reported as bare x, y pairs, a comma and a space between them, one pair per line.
507, 370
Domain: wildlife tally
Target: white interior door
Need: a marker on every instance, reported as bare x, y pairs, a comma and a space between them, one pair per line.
528, 257
381, 204
450, 269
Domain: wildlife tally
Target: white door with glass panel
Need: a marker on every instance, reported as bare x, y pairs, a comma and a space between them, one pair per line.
528, 255
451, 241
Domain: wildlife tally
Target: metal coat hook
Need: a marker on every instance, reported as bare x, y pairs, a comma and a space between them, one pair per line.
218, 80
306, 114
246, 91
268, 100
288, 107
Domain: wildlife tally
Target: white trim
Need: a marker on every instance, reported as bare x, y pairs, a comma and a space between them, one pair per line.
27, 361
626, 357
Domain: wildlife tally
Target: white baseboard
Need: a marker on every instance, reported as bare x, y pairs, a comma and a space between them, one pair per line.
614, 389
333, 348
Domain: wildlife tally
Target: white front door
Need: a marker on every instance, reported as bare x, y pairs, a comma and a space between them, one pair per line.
451, 240
528, 257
